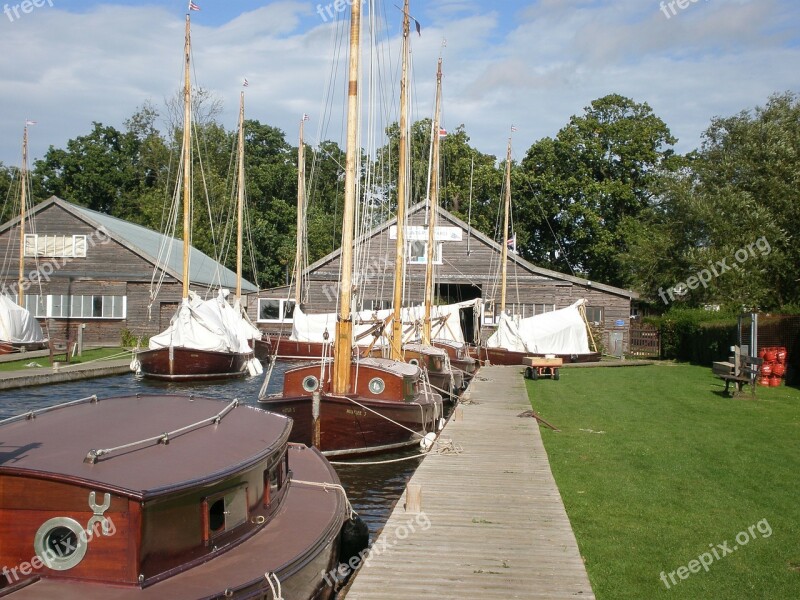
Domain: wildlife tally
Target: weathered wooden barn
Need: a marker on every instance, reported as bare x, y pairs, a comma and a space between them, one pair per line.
467, 266
90, 270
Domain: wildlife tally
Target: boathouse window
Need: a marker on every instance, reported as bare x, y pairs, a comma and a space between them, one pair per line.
224, 511
418, 253
66, 246
275, 310
594, 314
62, 306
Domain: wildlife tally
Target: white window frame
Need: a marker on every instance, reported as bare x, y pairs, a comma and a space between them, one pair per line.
44, 246
423, 259
283, 306
67, 306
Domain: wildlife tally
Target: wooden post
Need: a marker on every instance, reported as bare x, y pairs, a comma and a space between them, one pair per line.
413, 498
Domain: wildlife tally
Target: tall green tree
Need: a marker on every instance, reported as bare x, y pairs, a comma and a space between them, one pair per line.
728, 216
583, 185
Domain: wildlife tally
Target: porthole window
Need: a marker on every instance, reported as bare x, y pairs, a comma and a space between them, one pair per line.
310, 383
414, 362
60, 543
376, 385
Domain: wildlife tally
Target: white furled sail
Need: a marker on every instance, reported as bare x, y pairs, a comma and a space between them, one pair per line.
17, 324
561, 331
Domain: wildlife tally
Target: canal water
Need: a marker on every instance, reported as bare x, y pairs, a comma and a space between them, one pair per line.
373, 489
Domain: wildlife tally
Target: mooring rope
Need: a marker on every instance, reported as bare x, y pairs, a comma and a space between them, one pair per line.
277, 593
448, 447
357, 403
330, 486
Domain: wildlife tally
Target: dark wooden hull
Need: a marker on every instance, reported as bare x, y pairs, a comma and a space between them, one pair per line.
364, 421
502, 356
287, 349
186, 364
262, 349
347, 429
460, 358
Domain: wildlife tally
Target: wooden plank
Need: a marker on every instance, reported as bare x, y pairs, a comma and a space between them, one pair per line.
492, 523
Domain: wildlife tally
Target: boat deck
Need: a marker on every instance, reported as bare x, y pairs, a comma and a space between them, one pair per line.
492, 523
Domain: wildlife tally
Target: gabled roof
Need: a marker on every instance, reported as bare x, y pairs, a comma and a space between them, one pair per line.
203, 270
489, 242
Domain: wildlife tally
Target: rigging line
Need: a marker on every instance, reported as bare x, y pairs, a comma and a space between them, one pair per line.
550, 227
218, 266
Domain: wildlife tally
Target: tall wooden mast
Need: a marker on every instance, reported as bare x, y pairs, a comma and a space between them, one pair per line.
344, 324
240, 199
301, 217
187, 155
23, 180
504, 249
433, 203
397, 322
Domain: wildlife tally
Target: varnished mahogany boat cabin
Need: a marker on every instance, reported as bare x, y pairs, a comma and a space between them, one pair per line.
97, 502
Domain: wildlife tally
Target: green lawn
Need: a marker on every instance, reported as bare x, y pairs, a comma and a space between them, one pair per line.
44, 361
657, 468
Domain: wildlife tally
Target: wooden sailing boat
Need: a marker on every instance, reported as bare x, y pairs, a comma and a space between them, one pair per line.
262, 349
370, 405
505, 356
156, 497
434, 360
282, 346
19, 330
462, 364
168, 360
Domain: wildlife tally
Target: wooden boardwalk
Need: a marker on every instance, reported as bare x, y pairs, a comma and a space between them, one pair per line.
492, 524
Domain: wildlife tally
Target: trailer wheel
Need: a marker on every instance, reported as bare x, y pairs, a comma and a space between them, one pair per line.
534, 373
528, 373
556, 374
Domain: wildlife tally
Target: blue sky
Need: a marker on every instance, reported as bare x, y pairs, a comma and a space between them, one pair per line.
531, 64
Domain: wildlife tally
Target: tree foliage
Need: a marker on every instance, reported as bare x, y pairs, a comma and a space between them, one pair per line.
607, 197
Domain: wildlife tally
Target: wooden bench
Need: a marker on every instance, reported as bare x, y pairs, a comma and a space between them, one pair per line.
59, 346
740, 370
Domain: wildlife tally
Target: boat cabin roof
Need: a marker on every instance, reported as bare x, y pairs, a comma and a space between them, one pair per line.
56, 443
426, 349
399, 368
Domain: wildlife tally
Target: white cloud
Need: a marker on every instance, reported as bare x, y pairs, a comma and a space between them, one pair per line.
530, 64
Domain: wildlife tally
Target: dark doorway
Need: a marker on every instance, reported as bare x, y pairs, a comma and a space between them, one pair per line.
451, 293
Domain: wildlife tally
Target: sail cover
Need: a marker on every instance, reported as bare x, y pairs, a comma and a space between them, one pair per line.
446, 318
561, 331
212, 325
17, 324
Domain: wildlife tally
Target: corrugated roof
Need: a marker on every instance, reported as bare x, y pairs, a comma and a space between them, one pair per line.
203, 270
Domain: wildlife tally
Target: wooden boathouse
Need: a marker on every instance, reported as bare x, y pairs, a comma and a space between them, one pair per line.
467, 266
91, 270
